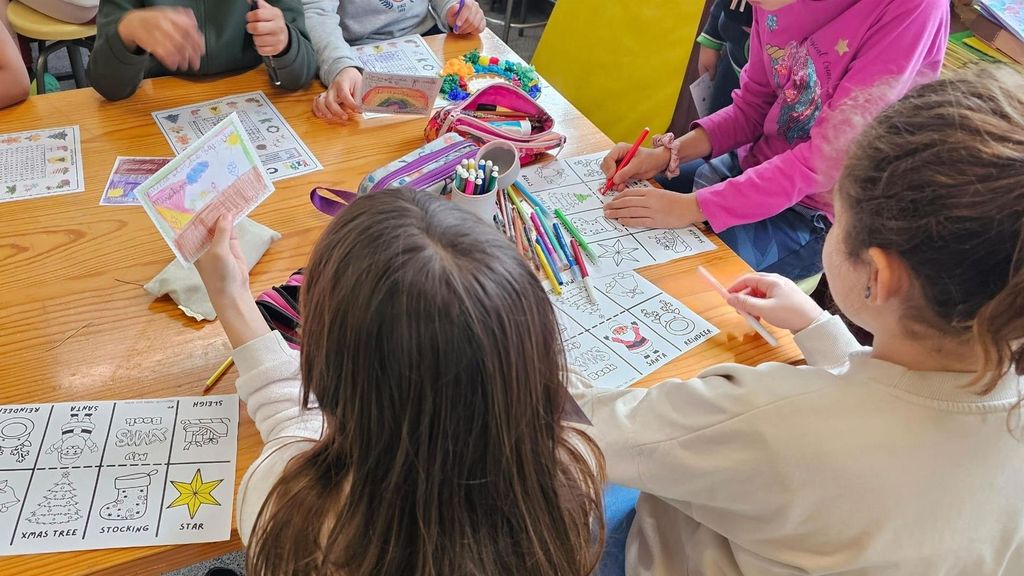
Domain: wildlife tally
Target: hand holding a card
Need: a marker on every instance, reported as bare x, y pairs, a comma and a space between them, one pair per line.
339, 103
170, 34
226, 276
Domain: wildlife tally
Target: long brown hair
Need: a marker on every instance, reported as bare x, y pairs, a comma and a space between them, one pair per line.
938, 178
434, 354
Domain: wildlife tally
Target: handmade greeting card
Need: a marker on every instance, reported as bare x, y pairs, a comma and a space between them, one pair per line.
386, 93
219, 174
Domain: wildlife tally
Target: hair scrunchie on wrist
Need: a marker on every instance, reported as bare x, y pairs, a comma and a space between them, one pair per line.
668, 140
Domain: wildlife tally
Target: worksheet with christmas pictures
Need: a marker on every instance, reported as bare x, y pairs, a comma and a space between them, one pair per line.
628, 330
573, 184
89, 475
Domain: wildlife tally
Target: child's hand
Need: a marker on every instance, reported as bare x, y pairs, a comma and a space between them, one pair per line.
707, 61
338, 103
775, 299
169, 34
653, 208
226, 277
222, 267
268, 28
647, 163
470, 21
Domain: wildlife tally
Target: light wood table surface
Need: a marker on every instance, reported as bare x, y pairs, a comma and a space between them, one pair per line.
71, 267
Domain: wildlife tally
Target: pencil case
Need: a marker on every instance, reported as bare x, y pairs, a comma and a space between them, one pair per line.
481, 118
280, 308
429, 168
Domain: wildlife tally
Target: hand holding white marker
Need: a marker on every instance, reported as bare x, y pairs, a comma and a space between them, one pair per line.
731, 298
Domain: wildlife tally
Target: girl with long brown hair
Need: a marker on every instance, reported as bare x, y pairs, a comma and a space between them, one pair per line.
904, 458
420, 430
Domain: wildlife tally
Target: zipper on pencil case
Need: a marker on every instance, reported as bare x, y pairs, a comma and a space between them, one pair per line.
519, 144
444, 171
420, 162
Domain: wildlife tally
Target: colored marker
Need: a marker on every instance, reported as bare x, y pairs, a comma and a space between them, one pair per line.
530, 244
753, 322
532, 199
583, 271
469, 185
549, 273
479, 187
545, 241
626, 159
563, 244
575, 234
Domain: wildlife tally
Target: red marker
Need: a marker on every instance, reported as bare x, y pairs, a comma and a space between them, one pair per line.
626, 159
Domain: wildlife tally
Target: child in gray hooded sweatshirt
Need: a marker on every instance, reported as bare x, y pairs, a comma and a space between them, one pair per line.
335, 26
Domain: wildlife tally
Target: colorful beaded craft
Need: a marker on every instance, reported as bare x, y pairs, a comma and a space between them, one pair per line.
458, 71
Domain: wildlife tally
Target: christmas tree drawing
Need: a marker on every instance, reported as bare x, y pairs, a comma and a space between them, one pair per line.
59, 505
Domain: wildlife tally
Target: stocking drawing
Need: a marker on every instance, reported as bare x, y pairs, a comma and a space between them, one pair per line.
132, 497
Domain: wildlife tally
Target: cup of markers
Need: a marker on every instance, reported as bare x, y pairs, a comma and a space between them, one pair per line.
475, 188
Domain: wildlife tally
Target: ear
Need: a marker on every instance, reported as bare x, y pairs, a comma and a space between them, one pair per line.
889, 277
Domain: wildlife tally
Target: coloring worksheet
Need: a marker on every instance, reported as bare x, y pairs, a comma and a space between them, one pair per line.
128, 174
90, 475
572, 184
218, 174
407, 55
40, 163
631, 330
280, 149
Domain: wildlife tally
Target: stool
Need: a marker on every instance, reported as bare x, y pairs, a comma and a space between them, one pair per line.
507, 25
50, 36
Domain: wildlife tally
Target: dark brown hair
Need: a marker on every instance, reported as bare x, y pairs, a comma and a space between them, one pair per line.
938, 178
434, 354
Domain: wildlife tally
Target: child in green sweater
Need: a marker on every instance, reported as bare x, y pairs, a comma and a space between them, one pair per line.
143, 38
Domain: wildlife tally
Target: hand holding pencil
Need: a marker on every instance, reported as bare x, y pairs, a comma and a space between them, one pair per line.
627, 162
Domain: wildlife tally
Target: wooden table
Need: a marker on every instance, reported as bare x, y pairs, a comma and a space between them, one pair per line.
72, 267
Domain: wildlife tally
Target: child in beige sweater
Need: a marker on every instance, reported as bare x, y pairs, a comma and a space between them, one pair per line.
904, 458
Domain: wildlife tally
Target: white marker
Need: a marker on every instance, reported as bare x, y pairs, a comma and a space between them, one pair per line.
754, 323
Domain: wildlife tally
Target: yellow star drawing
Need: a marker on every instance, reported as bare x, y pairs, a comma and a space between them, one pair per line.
842, 47
195, 493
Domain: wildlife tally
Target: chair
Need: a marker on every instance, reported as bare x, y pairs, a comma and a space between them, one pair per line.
507, 25
50, 36
620, 63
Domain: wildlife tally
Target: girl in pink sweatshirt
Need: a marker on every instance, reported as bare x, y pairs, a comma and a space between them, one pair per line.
761, 166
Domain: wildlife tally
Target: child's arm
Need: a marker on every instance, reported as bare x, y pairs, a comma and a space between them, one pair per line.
13, 76
127, 34
295, 64
711, 42
470, 20
333, 53
904, 49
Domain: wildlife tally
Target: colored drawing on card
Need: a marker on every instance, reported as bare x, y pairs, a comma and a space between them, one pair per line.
195, 493
629, 329
127, 175
280, 149
40, 163
219, 174
398, 93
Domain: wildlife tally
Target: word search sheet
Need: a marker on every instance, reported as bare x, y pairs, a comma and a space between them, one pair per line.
572, 184
631, 330
90, 475
281, 151
40, 163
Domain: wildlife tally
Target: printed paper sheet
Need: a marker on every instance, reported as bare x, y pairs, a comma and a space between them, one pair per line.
89, 475
219, 174
40, 163
281, 151
630, 331
572, 184
128, 174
